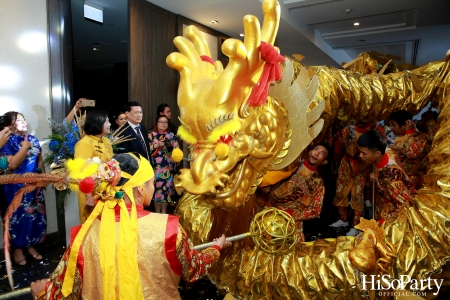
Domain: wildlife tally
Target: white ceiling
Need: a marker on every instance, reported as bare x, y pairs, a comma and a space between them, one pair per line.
321, 30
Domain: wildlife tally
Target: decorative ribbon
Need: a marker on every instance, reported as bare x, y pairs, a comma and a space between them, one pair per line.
271, 73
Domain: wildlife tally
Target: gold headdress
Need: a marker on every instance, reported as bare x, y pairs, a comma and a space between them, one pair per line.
103, 179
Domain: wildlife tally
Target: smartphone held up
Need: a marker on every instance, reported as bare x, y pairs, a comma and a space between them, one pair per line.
88, 102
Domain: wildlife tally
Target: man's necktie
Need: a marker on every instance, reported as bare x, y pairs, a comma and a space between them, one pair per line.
141, 139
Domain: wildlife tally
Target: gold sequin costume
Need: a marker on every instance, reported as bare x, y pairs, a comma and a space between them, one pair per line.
395, 187
217, 189
164, 255
412, 149
300, 195
123, 251
351, 176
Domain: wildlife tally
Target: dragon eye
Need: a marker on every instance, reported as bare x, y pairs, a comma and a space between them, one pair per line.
226, 138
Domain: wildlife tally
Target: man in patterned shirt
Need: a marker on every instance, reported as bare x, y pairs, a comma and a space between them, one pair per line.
394, 186
301, 195
351, 177
411, 146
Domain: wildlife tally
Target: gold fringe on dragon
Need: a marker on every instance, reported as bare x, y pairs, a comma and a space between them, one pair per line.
237, 132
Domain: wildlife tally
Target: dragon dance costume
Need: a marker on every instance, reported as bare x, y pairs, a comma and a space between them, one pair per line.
218, 189
432, 129
412, 149
395, 188
123, 251
164, 255
351, 176
300, 195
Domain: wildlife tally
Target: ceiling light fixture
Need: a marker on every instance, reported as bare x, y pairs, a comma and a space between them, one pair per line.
348, 10
356, 23
93, 12
241, 34
95, 49
213, 21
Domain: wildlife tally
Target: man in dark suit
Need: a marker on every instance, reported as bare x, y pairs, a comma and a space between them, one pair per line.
140, 144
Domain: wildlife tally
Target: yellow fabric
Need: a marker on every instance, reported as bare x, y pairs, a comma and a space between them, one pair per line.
129, 281
70, 273
158, 279
88, 147
273, 177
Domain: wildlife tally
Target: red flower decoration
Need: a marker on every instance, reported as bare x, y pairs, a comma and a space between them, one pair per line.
87, 185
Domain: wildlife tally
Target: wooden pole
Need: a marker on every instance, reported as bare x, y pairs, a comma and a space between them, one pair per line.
16, 293
373, 193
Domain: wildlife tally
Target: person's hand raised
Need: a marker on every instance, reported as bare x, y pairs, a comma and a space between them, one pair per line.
4, 136
25, 143
79, 104
159, 143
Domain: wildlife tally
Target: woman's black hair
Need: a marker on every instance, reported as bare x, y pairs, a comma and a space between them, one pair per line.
95, 119
127, 164
372, 140
8, 119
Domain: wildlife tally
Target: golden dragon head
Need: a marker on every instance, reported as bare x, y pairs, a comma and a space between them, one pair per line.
232, 139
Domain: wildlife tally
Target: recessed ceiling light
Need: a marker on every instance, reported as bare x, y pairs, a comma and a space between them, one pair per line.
241, 34
356, 24
93, 12
213, 21
95, 49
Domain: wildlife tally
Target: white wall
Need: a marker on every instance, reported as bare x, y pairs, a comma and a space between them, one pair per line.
24, 73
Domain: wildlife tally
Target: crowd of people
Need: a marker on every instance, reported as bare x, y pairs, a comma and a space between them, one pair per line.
159, 236
391, 153
23, 154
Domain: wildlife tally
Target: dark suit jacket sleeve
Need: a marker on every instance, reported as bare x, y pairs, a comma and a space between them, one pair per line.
125, 146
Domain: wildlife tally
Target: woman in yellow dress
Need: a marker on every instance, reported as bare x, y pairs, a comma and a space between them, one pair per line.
93, 144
